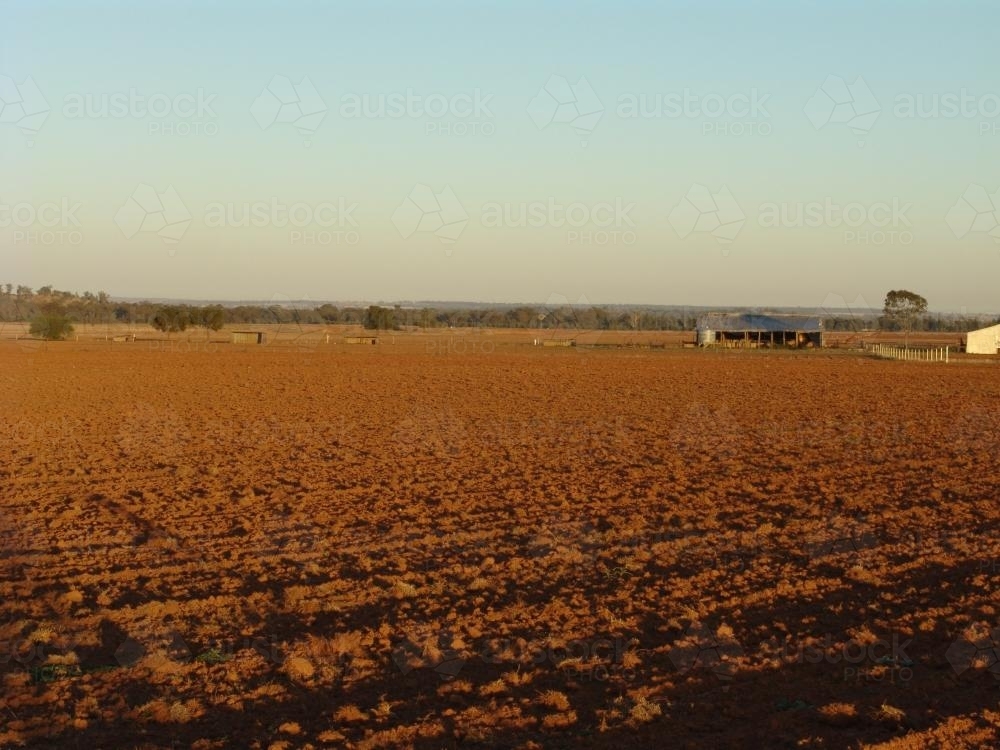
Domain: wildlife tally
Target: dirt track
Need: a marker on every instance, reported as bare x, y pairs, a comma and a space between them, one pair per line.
438, 546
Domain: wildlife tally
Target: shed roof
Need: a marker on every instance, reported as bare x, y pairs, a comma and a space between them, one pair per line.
754, 322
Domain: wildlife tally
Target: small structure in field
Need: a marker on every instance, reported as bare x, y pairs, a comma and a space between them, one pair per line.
372, 340
983, 341
559, 342
249, 337
754, 330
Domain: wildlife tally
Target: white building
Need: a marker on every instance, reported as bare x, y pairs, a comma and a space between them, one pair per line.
983, 341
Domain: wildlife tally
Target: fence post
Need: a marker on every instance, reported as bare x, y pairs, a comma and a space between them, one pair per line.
946, 354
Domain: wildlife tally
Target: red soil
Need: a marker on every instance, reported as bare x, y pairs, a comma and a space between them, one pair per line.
406, 545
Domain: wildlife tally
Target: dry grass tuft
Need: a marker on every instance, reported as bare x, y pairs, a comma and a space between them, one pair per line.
644, 711
560, 720
555, 699
890, 714
403, 590
496, 687
298, 668
350, 713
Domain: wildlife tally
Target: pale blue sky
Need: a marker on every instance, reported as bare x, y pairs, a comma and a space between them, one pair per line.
774, 160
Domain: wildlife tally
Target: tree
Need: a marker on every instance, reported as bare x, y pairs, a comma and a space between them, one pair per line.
328, 313
171, 318
379, 318
904, 307
211, 318
51, 324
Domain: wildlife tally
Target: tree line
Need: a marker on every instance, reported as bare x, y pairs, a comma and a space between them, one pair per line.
53, 312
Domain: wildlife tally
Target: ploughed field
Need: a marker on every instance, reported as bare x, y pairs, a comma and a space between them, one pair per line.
514, 546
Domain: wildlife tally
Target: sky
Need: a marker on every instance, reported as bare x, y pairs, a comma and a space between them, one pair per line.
754, 153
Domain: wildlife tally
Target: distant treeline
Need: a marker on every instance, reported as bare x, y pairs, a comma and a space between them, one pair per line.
21, 303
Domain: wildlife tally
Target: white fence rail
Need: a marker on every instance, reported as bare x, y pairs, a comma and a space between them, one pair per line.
891, 351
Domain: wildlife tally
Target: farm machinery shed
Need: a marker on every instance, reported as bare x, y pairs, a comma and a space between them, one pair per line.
755, 330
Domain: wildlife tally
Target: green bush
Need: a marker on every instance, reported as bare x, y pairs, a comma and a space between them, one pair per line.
51, 326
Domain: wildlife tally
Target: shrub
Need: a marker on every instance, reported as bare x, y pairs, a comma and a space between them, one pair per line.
52, 326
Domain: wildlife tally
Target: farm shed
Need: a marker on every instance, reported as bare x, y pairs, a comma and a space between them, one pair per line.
361, 340
983, 341
759, 330
249, 337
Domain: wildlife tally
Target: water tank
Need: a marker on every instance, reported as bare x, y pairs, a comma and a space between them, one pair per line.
705, 337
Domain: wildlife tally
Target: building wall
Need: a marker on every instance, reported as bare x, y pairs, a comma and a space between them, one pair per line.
244, 337
983, 341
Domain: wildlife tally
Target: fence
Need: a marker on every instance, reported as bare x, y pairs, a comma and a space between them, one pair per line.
891, 351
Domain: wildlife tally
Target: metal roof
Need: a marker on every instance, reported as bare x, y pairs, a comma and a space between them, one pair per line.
755, 322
